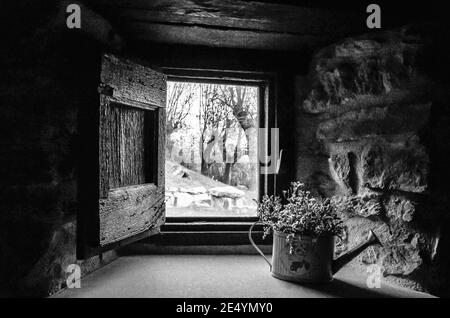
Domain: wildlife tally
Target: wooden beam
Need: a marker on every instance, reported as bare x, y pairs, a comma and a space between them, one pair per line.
131, 81
130, 210
195, 35
245, 15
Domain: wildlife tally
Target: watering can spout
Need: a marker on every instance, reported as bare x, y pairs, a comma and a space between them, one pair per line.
347, 257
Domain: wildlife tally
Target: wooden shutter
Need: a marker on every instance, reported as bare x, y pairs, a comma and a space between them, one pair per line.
131, 137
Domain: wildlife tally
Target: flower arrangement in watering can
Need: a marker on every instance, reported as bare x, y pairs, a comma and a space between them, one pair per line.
304, 228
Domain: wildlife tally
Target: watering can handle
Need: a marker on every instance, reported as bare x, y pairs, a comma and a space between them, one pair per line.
255, 246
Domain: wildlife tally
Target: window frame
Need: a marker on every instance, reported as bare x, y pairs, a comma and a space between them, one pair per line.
209, 230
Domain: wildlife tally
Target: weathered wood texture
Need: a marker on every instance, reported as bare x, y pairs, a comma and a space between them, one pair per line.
104, 156
229, 23
248, 15
161, 147
127, 146
134, 82
130, 210
131, 150
230, 38
268, 24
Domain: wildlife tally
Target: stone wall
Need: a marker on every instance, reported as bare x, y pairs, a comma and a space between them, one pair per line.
368, 129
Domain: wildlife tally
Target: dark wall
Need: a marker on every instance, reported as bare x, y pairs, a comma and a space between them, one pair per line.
48, 74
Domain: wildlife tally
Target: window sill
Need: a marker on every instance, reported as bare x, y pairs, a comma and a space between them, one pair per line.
201, 237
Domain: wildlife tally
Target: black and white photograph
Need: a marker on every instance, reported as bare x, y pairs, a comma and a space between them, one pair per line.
224, 156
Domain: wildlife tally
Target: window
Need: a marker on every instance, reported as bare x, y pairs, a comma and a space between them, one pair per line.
122, 179
211, 149
224, 228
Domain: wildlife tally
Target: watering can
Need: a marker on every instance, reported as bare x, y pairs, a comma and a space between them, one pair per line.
308, 259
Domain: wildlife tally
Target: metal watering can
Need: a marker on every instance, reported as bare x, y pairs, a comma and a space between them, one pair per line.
310, 260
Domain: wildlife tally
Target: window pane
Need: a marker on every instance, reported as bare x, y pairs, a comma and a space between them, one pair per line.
211, 149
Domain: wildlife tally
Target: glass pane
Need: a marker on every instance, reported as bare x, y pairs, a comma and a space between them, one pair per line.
211, 150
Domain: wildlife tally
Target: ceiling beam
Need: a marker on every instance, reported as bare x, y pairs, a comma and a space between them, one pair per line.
196, 35
243, 15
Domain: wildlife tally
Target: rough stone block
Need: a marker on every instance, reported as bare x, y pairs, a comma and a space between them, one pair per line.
340, 171
227, 192
366, 66
401, 165
400, 208
183, 199
373, 122
401, 251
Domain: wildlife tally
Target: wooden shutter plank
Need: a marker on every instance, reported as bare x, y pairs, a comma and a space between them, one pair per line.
132, 150
130, 210
127, 133
161, 140
133, 82
127, 146
104, 147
